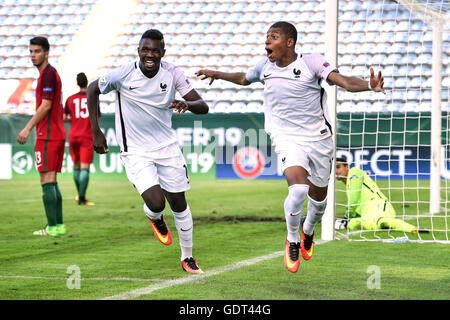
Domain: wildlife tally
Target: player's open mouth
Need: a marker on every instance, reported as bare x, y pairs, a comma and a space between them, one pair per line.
269, 52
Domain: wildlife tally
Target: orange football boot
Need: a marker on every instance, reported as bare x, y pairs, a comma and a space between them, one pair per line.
291, 256
190, 265
161, 231
307, 246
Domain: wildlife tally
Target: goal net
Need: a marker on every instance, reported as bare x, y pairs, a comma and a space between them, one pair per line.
401, 140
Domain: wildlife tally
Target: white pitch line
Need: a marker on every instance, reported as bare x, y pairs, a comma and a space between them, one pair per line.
82, 279
196, 277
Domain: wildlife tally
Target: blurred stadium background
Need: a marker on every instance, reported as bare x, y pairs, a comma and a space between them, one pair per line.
96, 35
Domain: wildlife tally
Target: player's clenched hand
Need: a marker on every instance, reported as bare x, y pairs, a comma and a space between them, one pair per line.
179, 106
99, 142
206, 74
23, 136
376, 83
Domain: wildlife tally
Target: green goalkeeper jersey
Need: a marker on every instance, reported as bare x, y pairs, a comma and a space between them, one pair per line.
365, 198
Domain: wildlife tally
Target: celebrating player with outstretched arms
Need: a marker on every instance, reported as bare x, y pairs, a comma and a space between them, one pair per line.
296, 121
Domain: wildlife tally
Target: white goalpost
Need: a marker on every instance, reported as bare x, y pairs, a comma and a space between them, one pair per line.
402, 140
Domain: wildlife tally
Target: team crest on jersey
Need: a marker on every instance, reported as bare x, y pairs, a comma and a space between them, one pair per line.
326, 64
163, 87
102, 81
248, 162
297, 73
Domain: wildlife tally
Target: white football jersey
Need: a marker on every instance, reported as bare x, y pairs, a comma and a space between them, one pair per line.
143, 120
295, 102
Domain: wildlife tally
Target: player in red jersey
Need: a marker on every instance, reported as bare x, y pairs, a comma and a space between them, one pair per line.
80, 138
50, 135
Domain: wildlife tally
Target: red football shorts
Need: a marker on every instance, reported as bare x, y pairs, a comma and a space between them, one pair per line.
49, 155
81, 149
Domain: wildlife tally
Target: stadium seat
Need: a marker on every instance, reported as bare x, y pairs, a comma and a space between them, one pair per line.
255, 107
222, 107
398, 95
412, 95
401, 83
238, 106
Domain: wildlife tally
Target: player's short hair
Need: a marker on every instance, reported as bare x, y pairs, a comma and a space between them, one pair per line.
41, 41
342, 160
153, 34
288, 29
82, 80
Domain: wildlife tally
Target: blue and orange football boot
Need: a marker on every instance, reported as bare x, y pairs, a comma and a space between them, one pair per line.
190, 265
161, 231
291, 256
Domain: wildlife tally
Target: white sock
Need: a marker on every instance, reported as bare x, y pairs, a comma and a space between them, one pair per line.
316, 209
185, 226
152, 215
293, 207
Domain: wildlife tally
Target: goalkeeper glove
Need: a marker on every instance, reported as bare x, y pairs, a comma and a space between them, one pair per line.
340, 224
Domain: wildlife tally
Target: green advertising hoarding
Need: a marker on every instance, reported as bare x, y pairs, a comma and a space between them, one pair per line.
198, 137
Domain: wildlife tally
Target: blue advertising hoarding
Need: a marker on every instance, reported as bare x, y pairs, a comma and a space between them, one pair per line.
248, 162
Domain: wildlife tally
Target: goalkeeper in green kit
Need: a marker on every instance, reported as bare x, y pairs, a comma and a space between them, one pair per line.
369, 208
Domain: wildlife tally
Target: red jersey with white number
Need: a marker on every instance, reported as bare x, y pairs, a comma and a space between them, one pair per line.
49, 87
80, 125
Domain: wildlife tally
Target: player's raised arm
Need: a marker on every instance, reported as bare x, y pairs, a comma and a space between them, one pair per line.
235, 77
93, 92
193, 102
355, 84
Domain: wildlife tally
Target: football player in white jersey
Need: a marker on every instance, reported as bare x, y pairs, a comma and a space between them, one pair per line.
296, 121
148, 146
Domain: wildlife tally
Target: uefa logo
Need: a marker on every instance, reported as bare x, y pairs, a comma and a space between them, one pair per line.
248, 163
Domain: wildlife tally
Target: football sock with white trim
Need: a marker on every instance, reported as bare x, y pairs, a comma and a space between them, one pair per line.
152, 215
293, 207
316, 209
185, 227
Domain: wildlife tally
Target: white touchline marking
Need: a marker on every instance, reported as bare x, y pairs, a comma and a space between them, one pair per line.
82, 279
197, 277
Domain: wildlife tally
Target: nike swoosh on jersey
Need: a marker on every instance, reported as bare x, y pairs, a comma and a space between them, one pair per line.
267, 75
132, 88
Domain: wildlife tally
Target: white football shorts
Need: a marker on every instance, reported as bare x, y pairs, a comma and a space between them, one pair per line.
166, 167
315, 157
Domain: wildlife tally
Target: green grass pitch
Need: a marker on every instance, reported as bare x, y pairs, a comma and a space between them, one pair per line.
114, 249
